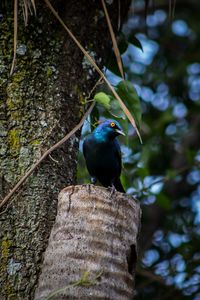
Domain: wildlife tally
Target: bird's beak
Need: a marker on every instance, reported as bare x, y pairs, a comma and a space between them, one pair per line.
119, 132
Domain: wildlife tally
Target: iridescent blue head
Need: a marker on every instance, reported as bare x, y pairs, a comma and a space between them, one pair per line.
108, 130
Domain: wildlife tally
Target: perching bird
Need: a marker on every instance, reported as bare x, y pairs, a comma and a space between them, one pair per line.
103, 156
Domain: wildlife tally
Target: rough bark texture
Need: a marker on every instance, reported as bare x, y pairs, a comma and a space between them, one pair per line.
39, 104
96, 233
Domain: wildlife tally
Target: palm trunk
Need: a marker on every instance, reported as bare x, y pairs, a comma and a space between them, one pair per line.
91, 252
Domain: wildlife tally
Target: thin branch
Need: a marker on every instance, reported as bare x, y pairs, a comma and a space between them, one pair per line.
156, 278
28, 8
34, 7
151, 276
115, 47
58, 144
121, 103
15, 36
56, 161
99, 81
119, 15
18, 193
165, 6
165, 179
173, 9
170, 10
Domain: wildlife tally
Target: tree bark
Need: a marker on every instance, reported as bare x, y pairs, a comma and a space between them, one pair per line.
92, 248
39, 104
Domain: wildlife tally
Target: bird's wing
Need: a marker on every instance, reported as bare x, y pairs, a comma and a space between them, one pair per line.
86, 144
118, 185
118, 154
117, 181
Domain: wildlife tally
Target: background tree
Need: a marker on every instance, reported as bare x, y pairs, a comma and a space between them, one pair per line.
40, 102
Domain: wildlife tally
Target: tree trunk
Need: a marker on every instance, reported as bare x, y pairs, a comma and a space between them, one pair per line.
91, 252
39, 104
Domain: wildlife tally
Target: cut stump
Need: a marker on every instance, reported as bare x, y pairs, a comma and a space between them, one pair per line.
92, 249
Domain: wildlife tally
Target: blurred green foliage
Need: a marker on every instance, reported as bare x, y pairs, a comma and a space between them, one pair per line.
164, 172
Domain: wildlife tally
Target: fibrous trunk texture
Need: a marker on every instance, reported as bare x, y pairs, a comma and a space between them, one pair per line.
92, 248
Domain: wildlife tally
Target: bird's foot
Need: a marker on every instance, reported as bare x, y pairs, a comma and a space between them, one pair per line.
112, 190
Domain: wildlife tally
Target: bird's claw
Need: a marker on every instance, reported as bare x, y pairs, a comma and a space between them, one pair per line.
112, 190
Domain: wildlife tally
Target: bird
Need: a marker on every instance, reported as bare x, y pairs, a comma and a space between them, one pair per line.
102, 154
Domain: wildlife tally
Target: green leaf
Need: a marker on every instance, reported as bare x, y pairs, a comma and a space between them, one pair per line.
163, 201
190, 155
142, 172
112, 65
171, 174
122, 43
102, 99
133, 40
116, 110
128, 94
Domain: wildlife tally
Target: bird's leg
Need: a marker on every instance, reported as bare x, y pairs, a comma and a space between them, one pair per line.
93, 180
112, 190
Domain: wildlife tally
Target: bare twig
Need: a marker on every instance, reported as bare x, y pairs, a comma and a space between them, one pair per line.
115, 47
15, 36
173, 9
172, 6
99, 81
53, 159
151, 276
119, 15
89, 58
170, 10
165, 179
34, 7
58, 144
18, 193
28, 8
156, 278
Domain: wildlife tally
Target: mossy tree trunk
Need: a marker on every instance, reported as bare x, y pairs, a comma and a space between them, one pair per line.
39, 104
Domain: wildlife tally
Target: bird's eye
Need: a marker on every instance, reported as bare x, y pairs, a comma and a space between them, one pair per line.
112, 124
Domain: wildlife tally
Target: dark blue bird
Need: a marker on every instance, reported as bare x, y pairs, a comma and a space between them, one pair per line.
103, 156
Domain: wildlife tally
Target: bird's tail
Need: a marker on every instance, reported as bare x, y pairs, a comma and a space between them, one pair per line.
118, 185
